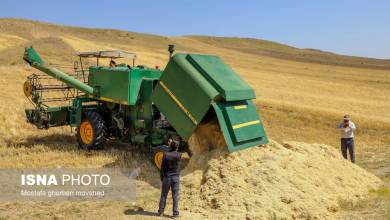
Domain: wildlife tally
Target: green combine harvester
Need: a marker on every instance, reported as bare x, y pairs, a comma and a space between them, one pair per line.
144, 106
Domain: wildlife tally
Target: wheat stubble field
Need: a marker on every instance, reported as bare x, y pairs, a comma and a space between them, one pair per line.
301, 95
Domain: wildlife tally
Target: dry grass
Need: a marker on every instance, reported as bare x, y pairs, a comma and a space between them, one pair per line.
10, 40
299, 98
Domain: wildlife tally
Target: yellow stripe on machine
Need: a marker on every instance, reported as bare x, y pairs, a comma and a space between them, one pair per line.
246, 124
237, 107
169, 92
108, 100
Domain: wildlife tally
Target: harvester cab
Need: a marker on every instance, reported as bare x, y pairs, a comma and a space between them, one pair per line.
146, 106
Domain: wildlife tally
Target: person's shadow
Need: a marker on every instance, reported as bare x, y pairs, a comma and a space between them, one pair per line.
141, 211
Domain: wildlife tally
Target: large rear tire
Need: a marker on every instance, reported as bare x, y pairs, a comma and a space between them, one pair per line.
92, 131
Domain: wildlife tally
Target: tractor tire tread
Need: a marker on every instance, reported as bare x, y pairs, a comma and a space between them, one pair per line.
99, 128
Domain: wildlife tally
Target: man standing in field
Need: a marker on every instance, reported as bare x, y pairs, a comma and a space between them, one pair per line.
170, 177
347, 128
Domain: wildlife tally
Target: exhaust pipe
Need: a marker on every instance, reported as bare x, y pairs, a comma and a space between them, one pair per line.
171, 50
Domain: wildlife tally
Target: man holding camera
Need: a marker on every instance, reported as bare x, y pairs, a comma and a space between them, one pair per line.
347, 128
170, 177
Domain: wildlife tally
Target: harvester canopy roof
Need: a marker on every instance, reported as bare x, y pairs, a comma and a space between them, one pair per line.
113, 54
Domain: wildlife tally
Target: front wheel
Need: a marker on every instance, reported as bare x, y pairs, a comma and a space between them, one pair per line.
92, 131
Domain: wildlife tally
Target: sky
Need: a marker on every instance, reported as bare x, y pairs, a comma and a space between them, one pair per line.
350, 27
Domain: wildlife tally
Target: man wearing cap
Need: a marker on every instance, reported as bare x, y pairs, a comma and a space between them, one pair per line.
170, 177
347, 128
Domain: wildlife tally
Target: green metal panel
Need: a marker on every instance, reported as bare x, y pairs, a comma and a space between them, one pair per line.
136, 77
188, 86
58, 115
240, 124
175, 115
76, 113
134, 87
145, 99
120, 84
222, 77
183, 95
112, 82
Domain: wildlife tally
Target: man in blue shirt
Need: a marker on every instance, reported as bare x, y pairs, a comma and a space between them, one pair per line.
170, 177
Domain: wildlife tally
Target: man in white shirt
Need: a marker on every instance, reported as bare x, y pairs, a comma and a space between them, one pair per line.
347, 128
